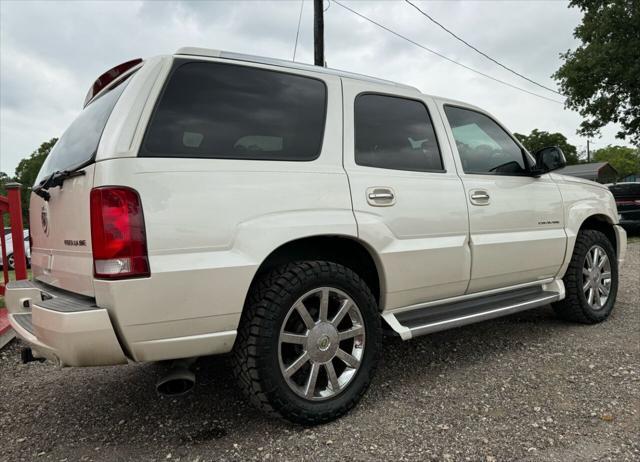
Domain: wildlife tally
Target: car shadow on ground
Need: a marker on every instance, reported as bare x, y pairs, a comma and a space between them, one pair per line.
119, 404
483, 381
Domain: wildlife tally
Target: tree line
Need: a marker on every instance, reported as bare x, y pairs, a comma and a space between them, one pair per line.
599, 79
26, 174
624, 159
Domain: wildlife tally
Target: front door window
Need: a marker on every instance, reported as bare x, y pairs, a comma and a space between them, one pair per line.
484, 147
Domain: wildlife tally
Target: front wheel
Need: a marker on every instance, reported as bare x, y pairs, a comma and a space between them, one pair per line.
591, 280
308, 341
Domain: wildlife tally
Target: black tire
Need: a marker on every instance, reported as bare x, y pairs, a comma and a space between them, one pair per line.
256, 350
11, 262
575, 306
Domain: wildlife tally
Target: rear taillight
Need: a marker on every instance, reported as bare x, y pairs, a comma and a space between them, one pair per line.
117, 234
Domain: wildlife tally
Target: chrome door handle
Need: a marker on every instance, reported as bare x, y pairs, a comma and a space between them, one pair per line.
377, 196
380, 196
479, 197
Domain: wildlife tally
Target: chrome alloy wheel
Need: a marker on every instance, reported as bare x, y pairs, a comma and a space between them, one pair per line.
321, 343
596, 277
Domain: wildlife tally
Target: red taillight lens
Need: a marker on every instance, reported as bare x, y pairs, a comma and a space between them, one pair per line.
117, 234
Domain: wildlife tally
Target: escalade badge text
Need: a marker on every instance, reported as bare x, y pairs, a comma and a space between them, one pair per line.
75, 242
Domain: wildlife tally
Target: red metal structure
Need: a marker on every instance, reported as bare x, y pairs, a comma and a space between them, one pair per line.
12, 205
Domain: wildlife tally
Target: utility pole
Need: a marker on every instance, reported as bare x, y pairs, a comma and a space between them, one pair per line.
588, 152
318, 33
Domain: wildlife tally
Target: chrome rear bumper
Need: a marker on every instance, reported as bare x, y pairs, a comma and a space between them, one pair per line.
68, 329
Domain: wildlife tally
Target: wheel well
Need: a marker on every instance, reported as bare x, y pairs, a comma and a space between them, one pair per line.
342, 250
601, 223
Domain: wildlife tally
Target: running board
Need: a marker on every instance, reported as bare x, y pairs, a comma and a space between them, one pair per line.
426, 320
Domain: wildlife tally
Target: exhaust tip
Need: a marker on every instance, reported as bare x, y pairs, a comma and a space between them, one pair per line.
177, 382
27, 356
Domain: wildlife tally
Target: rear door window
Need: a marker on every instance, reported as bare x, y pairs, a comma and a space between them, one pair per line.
395, 133
225, 111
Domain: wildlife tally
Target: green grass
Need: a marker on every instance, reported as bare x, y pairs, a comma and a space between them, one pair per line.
12, 277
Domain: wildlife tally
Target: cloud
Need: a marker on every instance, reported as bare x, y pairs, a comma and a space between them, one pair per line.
50, 52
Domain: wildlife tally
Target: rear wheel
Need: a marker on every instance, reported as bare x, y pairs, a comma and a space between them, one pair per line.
308, 341
11, 262
591, 280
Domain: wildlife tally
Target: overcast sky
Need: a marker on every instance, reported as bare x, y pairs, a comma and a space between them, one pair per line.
51, 52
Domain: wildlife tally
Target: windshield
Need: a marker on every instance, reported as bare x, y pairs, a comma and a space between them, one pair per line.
78, 144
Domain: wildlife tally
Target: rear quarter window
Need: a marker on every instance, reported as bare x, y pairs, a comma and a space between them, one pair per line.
225, 111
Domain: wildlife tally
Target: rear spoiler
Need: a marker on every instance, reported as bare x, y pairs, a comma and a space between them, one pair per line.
110, 76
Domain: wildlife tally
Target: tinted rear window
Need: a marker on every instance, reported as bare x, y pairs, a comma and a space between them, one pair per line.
395, 133
625, 190
78, 144
214, 110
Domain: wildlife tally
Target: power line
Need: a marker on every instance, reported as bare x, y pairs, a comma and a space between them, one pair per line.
318, 33
481, 52
397, 34
295, 47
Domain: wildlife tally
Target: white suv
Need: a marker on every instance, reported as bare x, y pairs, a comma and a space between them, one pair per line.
209, 202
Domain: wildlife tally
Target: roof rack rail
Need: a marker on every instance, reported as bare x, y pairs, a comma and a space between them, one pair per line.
211, 53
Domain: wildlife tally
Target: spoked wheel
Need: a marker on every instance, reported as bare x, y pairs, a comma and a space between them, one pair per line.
591, 280
308, 341
596, 277
321, 343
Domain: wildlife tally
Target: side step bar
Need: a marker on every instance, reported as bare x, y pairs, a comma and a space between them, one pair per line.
431, 319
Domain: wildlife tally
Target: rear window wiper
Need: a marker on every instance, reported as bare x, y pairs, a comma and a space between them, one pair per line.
53, 181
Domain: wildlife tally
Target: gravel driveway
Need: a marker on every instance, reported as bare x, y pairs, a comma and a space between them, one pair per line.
525, 387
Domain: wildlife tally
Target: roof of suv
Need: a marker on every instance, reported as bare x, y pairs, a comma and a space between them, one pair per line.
211, 53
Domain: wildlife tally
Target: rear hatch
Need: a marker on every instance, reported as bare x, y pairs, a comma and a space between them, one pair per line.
59, 213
